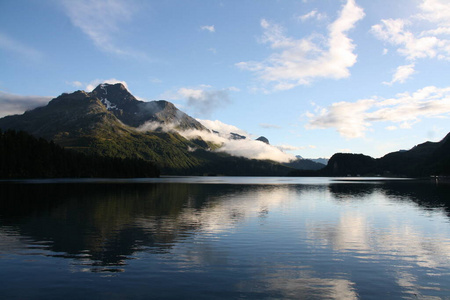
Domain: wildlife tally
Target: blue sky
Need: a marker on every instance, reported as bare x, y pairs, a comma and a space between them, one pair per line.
315, 77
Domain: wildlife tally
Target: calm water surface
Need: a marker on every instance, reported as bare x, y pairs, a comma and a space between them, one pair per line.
224, 237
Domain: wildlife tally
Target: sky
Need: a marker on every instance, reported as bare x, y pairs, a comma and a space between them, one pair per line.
315, 77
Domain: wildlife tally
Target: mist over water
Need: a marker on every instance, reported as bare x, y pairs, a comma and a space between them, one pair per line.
203, 238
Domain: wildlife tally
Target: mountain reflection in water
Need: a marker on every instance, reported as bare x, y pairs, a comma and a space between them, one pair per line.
331, 240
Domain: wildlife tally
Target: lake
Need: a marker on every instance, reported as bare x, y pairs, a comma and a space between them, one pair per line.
224, 238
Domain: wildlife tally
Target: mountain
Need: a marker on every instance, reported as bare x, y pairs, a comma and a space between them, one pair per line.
235, 136
132, 112
24, 156
344, 164
429, 158
323, 161
81, 113
96, 123
304, 164
110, 121
263, 139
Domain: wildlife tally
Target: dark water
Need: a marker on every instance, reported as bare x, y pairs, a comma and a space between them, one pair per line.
207, 238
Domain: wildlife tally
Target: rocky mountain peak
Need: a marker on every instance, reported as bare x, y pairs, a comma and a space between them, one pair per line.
132, 112
263, 139
108, 106
113, 88
114, 96
163, 105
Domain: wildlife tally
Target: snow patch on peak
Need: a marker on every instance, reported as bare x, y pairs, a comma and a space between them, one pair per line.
103, 87
108, 104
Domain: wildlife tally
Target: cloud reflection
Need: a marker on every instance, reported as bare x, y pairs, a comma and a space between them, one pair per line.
287, 241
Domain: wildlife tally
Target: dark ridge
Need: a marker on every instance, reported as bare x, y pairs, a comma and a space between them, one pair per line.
24, 156
263, 139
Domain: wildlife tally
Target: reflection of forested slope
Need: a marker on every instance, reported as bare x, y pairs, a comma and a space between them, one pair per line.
424, 193
111, 221
107, 223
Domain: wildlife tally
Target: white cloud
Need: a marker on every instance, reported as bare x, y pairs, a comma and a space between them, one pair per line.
299, 61
402, 74
255, 150
353, 119
419, 44
312, 15
9, 44
222, 128
348, 118
410, 46
437, 11
76, 83
155, 80
101, 21
203, 99
209, 28
290, 148
268, 126
94, 83
11, 104
233, 89
247, 147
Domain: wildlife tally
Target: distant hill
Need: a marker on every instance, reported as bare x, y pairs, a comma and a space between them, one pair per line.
344, 164
304, 164
263, 139
111, 122
323, 161
429, 158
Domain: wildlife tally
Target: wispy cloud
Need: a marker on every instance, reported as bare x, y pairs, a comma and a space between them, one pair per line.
353, 119
300, 61
155, 80
9, 44
432, 43
289, 148
209, 28
437, 11
221, 127
203, 99
402, 74
11, 104
314, 14
269, 126
76, 83
248, 147
101, 21
220, 134
94, 83
409, 45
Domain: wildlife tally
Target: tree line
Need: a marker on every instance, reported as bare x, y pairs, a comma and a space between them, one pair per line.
24, 156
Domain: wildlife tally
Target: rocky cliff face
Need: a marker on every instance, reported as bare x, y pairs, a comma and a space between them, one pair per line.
135, 113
